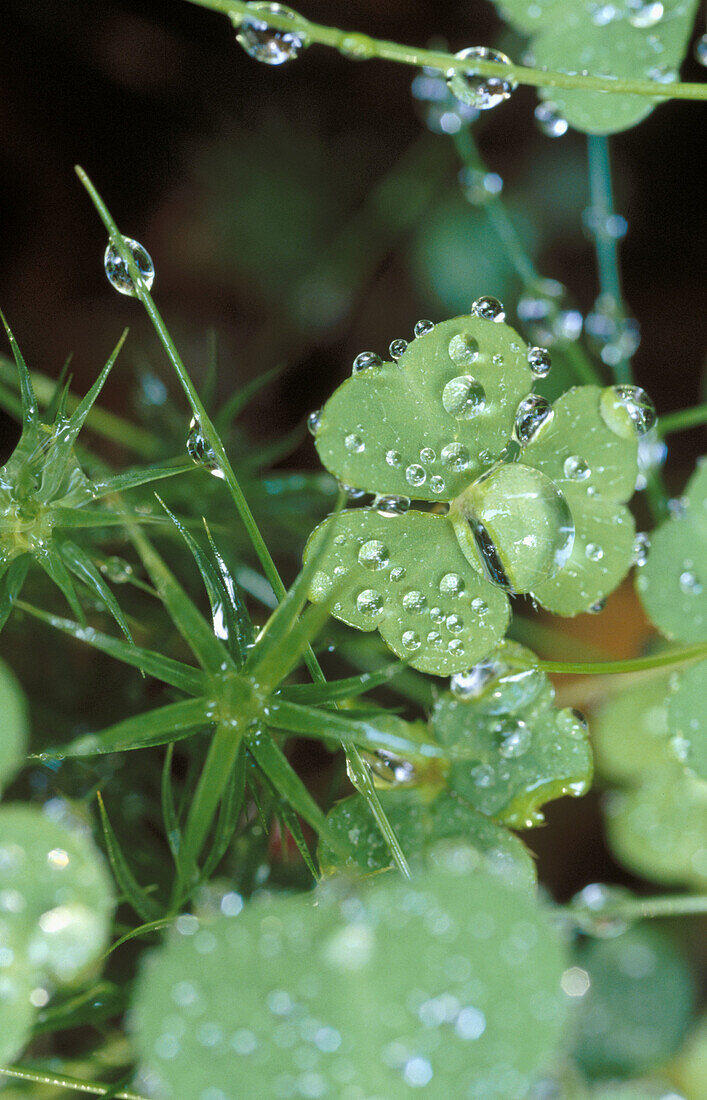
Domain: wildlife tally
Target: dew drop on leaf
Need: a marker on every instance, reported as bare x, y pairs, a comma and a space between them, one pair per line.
591, 910
391, 505
414, 601
437, 484
532, 415
423, 327
593, 551
463, 350
353, 443
690, 583
369, 602
641, 546
627, 410
411, 641
644, 13
463, 397
415, 475
539, 362
313, 421
394, 458
366, 360
262, 42
374, 555
117, 570
489, 308
397, 348
481, 92
597, 608
117, 270
451, 585
576, 468
700, 51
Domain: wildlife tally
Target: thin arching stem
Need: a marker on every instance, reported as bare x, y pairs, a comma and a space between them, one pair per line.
632, 664
73, 1084
632, 909
682, 420
361, 47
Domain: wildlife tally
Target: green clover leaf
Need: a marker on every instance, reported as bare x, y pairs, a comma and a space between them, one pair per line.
630, 733
686, 718
672, 585
636, 39
421, 819
523, 751
436, 425
388, 984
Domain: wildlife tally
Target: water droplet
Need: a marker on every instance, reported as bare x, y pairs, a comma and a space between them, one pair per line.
644, 13
117, 570
199, 449
532, 415
489, 308
397, 573
479, 606
641, 546
117, 270
374, 555
436, 614
411, 641
397, 348
455, 456
483, 775
463, 397
435, 638
473, 682
605, 226
515, 740
463, 350
393, 770
263, 42
451, 585
437, 484
539, 362
391, 505
481, 92
597, 608
480, 186
576, 469
427, 455
593, 552
314, 421
415, 475
455, 623
357, 47
414, 601
591, 908
441, 112
549, 120
652, 453
369, 602
367, 360
351, 492
354, 443
689, 583
423, 327
394, 458
700, 51
627, 410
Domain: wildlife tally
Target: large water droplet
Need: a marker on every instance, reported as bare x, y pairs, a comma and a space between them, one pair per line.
366, 360
117, 270
483, 775
489, 308
117, 570
451, 585
374, 555
199, 449
411, 641
428, 454
532, 415
549, 120
394, 458
393, 770
437, 484
262, 42
354, 443
576, 468
627, 410
414, 602
314, 421
455, 456
415, 475
397, 348
644, 13
515, 739
463, 397
351, 492
370, 603
481, 92
463, 350
422, 328
391, 505
539, 362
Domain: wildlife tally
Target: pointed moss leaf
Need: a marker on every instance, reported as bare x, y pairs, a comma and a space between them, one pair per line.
638, 1006
630, 732
427, 425
658, 830
672, 584
14, 730
524, 752
407, 577
595, 468
421, 821
56, 903
392, 986
604, 40
686, 718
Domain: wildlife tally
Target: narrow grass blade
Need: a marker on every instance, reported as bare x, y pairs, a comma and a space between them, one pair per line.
11, 585
335, 690
172, 722
142, 930
145, 906
229, 812
169, 813
53, 565
94, 517
84, 569
78, 417
242, 634
59, 399
291, 824
30, 409
273, 762
141, 475
279, 662
91, 1006
178, 675
223, 419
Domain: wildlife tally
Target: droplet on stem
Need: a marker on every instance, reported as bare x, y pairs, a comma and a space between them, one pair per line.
481, 92
117, 269
263, 42
199, 449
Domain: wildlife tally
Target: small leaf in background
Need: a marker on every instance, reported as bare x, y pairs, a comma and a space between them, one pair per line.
15, 725
638, 1002
421, 820
638, 40
56, 905
659, 830
392, 986
686, 718
672, 585
630, 732
523, 751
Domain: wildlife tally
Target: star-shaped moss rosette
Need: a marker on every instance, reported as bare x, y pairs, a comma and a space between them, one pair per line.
56, 898
45, 494
628, 39
435, 424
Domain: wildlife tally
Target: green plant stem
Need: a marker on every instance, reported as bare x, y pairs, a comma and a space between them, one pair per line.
668, 905
607, 250
632, 664
362, 47
497, 214
360, 774
73, 1084
682, 420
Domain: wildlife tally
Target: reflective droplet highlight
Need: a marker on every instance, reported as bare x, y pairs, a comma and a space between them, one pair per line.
415, 475
627, 410
422, 328
644, 13
489, 308
369, 602
117, 270
576, 469
354, 443
463, 397
463, 350
455, 456
641, 547
391, 505
199, 449
366, 360
262, 42
397, 348
374, 555
314, 421
481, 92
539, 362
549, 121
532, 415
